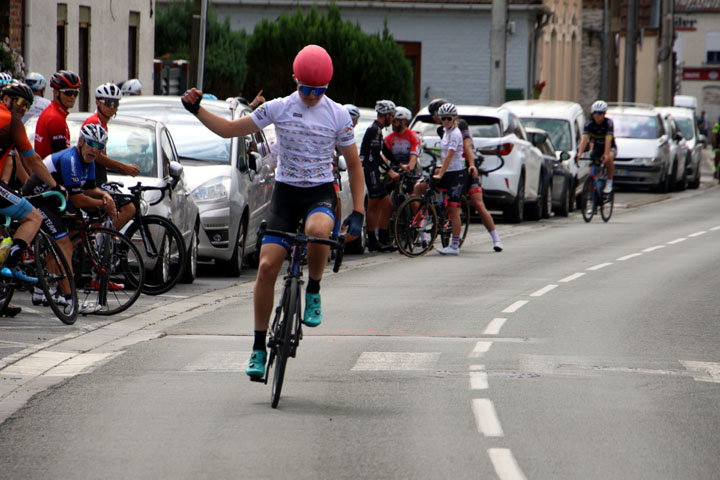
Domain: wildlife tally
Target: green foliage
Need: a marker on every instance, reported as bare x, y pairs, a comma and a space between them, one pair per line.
366, 67
225, 50
11, 61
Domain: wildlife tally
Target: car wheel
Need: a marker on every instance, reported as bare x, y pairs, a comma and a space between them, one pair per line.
513, 213
233, 267
547, 199
695, 183
673, 176
190, 273
564, 209
663, 185
683, 183
534, 210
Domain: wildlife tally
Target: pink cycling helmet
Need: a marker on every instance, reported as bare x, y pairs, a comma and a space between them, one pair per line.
313, 66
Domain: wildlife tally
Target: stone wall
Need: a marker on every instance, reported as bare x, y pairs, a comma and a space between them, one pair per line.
590, 57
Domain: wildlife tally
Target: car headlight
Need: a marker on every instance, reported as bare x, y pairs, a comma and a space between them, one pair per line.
144, 207
214, 190
647, 160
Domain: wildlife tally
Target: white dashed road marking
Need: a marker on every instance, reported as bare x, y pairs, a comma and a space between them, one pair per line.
628, 257
404, 361
715, 228
486, 419
709, 372
478, 379
219, 361
505, 465
677, 240
599, 266
697, 234
652, 249
515, 306
494, 326
572, 277
480, 349
544, 290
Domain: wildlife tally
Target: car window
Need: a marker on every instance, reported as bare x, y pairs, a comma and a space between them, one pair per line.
686, 127
513, 127
167, 152
636, 126
558, 129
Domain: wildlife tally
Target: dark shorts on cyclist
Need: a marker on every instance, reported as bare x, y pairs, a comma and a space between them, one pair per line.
454, 183
376, 186
472, 185
291, 204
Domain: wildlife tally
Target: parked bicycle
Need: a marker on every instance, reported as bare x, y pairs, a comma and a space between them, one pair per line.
286, 328
593, 197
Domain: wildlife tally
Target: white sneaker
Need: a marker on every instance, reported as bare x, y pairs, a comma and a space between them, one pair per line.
449, 250
88, 307
608, 188
498, 246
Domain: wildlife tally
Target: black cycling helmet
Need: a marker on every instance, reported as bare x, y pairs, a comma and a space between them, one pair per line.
64, 79
435, 104
17, 89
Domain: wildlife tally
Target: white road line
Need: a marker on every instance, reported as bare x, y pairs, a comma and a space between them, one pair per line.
494, 326
399, 361
572, 277
628, 257
478, 380
480, 349
485, 418
599, 266
37, 363
515, 306
652, 249
544, 290
715, 228
677, 240
505, 465
707, 371
476, 367
697, 234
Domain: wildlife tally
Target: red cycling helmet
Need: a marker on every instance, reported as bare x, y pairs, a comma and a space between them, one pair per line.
313, 66
64, 79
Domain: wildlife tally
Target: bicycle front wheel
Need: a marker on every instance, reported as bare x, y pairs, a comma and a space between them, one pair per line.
282, 338
415, 227
56, 278
587, 200
446, 234
606, 207
163, 249
118, 272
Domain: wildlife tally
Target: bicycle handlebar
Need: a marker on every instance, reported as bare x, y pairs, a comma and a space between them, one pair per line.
298, 238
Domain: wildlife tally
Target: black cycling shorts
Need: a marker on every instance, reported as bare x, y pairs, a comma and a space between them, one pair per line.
454, 183
374, 180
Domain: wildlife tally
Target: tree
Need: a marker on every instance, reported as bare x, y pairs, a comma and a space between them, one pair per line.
225, 50
366, 67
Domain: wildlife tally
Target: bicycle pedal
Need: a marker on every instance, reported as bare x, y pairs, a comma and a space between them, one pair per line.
258, 379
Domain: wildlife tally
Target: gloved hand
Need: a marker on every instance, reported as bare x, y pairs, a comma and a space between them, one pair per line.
61, 189
354, 222
190, 106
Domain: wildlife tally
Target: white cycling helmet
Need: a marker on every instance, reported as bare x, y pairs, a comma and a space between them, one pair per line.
5, 79
108, 90
94, 132
132, 87
353, 111
35, 81
402, 113
447, 109
384, 107
599, 107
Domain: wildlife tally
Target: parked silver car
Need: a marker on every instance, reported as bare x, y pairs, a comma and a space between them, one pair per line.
558, 177
695, 142
231, 179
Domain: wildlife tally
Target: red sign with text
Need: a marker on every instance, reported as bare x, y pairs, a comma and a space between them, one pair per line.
711, 74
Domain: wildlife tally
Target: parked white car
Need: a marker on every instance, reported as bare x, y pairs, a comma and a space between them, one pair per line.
678, 153
688, 127
564, 122
643, 147
517, 187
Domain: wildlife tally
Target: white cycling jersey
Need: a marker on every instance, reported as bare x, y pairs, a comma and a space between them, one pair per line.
453, 140
306, 137
39, 104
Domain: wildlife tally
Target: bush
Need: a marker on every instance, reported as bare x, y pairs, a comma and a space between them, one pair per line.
11, 61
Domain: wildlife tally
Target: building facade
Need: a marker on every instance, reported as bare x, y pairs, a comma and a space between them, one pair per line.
100, 41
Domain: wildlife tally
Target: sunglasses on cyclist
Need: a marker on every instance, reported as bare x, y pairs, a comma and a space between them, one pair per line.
307, 90
446, 119
22, 102
95, 145
70, 92
111, 102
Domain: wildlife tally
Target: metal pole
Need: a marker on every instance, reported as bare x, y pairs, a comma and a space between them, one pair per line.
604, 56
197, 43
666, 53
201, 51
498, 47
630, 52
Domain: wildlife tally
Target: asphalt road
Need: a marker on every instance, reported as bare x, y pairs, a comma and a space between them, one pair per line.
581, 351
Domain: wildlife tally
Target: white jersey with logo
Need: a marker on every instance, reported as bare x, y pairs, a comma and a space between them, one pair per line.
453, 140
306, 137
39, 104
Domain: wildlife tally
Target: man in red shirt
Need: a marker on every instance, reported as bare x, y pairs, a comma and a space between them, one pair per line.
51, 132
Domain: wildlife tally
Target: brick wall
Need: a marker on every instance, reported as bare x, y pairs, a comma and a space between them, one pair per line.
16, 24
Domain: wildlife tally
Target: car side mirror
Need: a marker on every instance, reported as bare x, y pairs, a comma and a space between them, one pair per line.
564, 156
341, 164
176, 171
255, 161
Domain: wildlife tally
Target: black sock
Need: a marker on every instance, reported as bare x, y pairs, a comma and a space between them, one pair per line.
17, 248
371, 236
313, 286
384, 236
259, 343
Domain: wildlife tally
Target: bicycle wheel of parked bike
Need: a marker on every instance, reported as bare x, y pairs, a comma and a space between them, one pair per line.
587, 200
415, 227
283, 327
606, 207
114, 275
55, 278
163, 249
446, 232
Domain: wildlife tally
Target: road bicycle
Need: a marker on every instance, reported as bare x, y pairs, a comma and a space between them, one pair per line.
158, 239
43, 260
286, 328
593, 197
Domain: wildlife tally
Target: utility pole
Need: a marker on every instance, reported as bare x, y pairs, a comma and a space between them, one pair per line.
665, 56
197, 43
498, 47
605, 55
630, 52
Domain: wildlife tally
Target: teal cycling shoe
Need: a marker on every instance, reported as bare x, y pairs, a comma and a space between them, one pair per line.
256, 367
17, 273
313, 310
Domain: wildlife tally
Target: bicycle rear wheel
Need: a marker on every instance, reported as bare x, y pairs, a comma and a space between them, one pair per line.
56, 278
415, 227
587, 200
446, 234
164, 252
117, 272
606, 206
283, 336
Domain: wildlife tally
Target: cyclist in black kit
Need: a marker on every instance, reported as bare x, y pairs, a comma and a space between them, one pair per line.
599, 131
373, 153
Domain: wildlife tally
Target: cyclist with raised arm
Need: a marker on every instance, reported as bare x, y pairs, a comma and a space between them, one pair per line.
374, 164
51, 132
308, 125
599, 131
37, 83
16, 98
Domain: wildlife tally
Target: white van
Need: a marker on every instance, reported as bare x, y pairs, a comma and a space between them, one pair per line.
564, 122
686, 101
